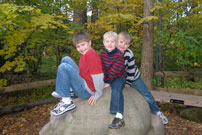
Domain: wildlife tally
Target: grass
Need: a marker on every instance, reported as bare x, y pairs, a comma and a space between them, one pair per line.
177, 82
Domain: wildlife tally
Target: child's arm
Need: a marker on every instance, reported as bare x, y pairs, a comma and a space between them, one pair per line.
131, 67
98, 81
95, 69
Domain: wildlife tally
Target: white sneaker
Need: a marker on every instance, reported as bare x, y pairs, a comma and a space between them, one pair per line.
162, 117
63, 108
55, 94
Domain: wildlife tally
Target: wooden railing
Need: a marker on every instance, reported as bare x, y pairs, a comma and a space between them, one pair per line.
190, 97
177, 74
172, 95
32, 85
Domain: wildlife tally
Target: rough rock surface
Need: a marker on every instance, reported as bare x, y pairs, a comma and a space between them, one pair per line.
94, 120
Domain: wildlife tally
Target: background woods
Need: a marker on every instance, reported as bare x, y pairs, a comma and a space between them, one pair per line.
36, 34
34, 31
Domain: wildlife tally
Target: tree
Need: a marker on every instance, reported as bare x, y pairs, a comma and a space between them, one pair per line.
80, 14
94, 16
181, 34
18, 27
147, 48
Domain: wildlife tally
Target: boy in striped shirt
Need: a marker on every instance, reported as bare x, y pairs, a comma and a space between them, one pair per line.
114, 75
134, 78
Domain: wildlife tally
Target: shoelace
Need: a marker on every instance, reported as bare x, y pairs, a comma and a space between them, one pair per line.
59, 104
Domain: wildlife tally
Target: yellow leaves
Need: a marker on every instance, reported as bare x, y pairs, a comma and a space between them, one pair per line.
3, 83
45, 21
121, 16
31, 58
172, 42
197, 9
147, 19
27, 8
98, 27
17, 64
7, 66
196, 64
155, 8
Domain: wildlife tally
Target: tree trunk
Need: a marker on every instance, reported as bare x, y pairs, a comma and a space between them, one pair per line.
147, 48
94, 16
80, 16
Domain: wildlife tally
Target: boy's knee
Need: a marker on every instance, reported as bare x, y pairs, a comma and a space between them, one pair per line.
65, 67
66, 59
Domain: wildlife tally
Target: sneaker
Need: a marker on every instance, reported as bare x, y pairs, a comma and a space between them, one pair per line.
55, 94
73, 95
62, 108
61, 103
117, 123
162, 117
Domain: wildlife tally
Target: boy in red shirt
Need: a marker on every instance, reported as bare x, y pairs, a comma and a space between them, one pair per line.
86, 81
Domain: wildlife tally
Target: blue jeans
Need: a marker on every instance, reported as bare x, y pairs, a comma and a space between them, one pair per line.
117, 99
140, 86
68, 77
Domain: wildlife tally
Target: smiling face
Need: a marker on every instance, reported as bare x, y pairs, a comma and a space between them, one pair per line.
110, 43
83, 47
123, 44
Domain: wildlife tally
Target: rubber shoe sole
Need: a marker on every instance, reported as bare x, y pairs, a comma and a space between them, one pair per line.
63, 109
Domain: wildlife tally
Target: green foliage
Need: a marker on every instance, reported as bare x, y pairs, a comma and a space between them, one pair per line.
177, 82
31, 31
22, 39
181, 34
35, 35
23, 97
118, 16
48, 68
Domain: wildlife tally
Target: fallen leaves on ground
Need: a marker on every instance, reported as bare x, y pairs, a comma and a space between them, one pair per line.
30, 122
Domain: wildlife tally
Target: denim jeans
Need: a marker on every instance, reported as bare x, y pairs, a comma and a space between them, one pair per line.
68, 77
117, 99
140, 86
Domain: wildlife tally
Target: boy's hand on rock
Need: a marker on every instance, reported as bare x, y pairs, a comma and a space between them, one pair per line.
127, 86
106, 85
92, 100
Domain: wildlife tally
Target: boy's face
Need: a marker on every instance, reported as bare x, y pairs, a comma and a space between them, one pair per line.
109, 43
123, 44
83, 47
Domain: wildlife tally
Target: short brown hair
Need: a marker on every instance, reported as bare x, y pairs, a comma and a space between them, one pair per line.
80, 37
126, 35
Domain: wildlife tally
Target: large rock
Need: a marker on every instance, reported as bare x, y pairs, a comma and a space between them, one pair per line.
94, 120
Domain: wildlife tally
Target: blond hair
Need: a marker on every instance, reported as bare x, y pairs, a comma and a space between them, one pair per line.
111, 34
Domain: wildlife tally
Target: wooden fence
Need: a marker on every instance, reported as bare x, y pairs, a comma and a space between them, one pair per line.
191, 97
